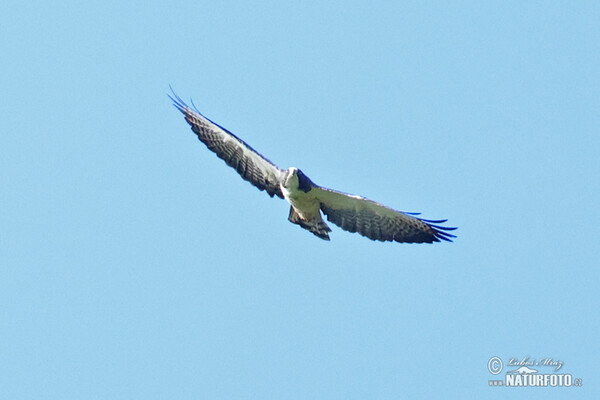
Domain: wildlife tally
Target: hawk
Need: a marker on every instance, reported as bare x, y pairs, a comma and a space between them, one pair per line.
350, 212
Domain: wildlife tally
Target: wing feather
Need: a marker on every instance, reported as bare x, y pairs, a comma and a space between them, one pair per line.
248, 163
377, 222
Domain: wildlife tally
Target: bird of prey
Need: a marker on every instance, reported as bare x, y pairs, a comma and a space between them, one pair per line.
307, 199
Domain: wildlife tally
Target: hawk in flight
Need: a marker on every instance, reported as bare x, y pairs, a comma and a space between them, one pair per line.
307, 199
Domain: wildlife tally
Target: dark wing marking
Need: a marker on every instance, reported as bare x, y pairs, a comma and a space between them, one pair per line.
251, 166
378, 222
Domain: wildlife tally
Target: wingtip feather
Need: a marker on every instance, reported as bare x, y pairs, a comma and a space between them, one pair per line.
440, 232
177, 102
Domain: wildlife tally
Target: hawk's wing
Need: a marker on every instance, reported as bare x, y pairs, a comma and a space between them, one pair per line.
251, 166
378, 222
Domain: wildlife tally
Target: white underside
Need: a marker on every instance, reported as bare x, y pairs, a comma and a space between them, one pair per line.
305, 204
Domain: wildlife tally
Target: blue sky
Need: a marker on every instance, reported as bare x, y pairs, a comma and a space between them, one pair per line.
135, 264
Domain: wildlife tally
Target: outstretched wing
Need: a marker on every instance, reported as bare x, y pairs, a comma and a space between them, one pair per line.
378, 222
251, 166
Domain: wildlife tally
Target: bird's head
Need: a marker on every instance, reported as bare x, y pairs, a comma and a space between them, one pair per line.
291, 179
297, 180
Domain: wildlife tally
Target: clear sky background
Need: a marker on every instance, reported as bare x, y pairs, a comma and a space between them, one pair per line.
135, 264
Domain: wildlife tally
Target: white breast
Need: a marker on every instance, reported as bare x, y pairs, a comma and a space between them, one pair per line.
305, 204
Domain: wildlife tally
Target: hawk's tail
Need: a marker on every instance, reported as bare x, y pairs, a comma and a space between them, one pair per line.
315, 225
